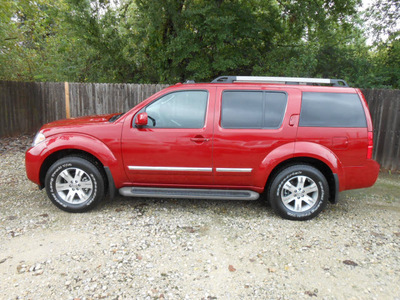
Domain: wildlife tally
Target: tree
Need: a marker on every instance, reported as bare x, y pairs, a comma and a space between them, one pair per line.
95, 26
320, 39
153, 41
384, 19
60, 40
189, 39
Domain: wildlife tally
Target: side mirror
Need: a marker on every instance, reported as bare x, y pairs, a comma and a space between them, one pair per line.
141, 119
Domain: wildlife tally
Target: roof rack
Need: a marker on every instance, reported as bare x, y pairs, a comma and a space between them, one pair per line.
281, 80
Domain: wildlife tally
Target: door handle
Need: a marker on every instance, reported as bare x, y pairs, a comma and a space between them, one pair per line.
199, 139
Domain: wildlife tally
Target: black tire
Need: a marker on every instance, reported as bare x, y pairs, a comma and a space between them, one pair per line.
298, 192
74, 184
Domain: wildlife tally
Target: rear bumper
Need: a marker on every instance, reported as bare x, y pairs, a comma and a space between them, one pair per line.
361, 176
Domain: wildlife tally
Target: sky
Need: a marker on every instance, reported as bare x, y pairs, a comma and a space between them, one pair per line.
366, 3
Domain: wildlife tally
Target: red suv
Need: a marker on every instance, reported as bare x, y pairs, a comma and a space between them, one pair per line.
296, 141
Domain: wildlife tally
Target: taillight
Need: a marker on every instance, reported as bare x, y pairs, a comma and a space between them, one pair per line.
370, 144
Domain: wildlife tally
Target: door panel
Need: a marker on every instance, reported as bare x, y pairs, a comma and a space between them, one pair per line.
239, 152
167, 155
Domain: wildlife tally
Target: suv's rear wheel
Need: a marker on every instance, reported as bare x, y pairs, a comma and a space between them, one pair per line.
74, 184
299, 192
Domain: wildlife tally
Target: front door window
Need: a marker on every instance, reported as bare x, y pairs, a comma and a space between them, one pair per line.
184, 109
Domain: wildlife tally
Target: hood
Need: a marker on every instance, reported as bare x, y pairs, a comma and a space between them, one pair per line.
87, 120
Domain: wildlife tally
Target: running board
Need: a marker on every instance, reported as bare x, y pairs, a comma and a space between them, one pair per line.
189, 193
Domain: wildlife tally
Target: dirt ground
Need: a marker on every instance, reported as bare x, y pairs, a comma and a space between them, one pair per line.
134, 248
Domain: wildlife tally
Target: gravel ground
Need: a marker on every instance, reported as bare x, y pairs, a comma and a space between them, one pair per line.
133, 248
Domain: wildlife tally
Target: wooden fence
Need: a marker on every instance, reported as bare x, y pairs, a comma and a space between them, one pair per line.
25, 106
103, 98
384, 106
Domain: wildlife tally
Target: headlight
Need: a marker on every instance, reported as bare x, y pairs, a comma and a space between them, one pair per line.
38, 139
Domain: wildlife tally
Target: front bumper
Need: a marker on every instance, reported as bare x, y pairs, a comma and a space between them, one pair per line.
33, 163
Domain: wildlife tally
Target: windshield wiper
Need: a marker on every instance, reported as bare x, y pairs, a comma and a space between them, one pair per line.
115, 118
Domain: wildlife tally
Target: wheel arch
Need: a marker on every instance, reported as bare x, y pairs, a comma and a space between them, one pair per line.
52, 158
316, 163
81, 145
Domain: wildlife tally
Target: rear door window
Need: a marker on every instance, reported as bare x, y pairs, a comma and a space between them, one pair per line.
253, 109
331, 110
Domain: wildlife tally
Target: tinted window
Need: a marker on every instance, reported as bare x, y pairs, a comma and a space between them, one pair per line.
186, 109
331, 110
242, 110
274, 109
252, 109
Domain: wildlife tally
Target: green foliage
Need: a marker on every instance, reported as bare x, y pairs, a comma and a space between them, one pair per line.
387, 65
166, 41
96, 26
177, 40
383, 19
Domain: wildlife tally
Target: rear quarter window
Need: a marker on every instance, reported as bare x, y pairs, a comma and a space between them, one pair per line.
331, 110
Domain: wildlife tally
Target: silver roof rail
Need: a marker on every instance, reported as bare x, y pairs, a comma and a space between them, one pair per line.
280, 80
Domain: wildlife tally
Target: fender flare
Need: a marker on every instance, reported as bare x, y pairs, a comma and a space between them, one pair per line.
85, 143
307, 150
319, 152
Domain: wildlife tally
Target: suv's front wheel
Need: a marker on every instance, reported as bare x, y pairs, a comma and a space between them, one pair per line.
298, 192
74, 184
